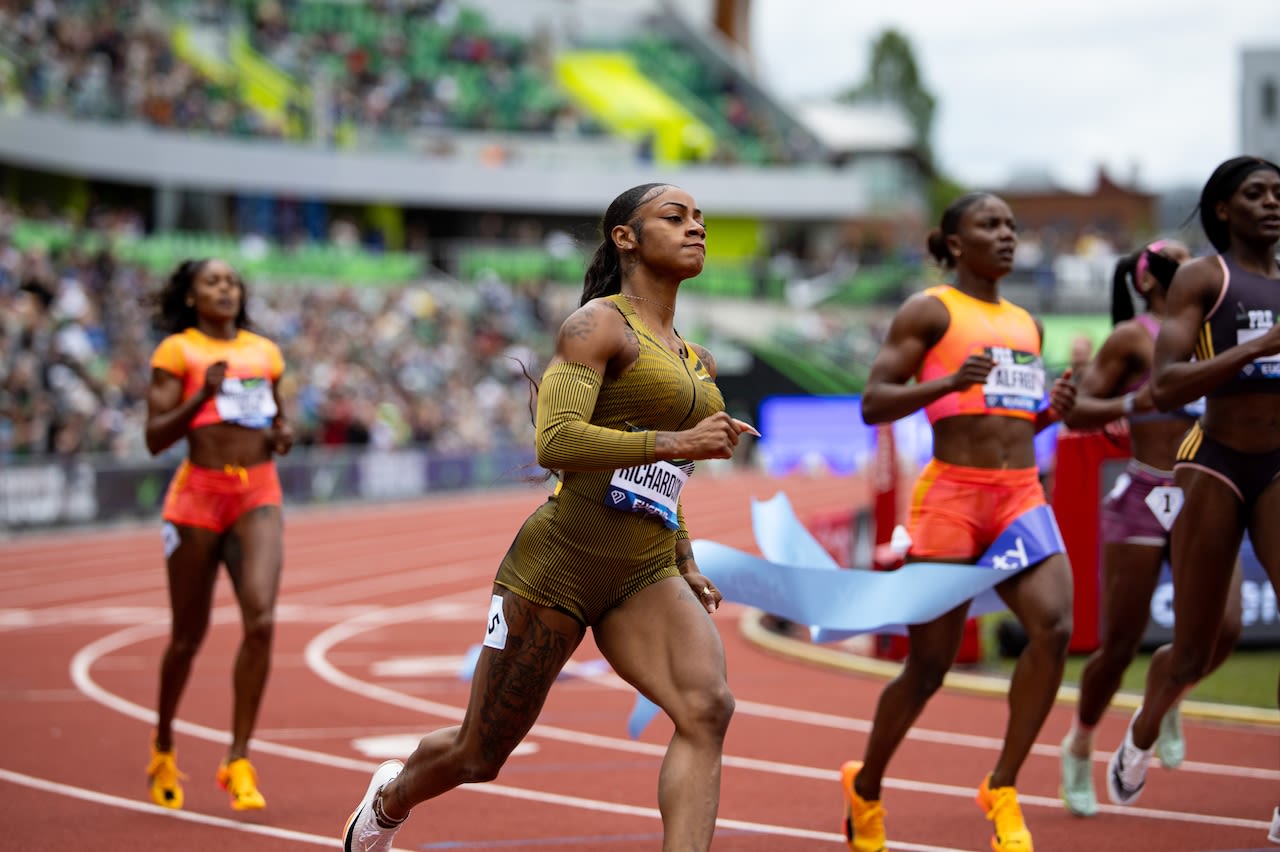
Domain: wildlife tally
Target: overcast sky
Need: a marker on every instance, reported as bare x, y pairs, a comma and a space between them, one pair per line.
1141, 86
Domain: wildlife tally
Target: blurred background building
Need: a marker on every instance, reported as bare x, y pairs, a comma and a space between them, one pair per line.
1260, 102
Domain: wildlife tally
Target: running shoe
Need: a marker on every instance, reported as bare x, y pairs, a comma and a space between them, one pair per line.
363, 832
863, 820
1171, 747
1077, 782
1127, 770
1274, 834
1000, 804
164, 778
240, 781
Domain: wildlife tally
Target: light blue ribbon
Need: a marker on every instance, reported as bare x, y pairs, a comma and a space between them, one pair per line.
797, 579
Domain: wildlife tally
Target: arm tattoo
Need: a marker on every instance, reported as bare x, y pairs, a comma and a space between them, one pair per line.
705, 356
581, 325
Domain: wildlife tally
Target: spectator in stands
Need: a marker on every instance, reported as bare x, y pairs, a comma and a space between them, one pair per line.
615, 401
215, 384
1081, 352
1228, 467
74, 339
976, 363
1115, 390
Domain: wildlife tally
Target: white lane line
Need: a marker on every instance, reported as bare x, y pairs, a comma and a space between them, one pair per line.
977, 741
44, 785
24, 618
316, 655
84, 659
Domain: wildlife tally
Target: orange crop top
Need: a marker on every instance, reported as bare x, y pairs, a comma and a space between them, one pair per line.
246, 397
1015, 386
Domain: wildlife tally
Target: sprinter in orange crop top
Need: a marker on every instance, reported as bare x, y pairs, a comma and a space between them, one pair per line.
972, 361
215, 384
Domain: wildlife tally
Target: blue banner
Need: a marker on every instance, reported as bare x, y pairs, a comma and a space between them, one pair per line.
797, 580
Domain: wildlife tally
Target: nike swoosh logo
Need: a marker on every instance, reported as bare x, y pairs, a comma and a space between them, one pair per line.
1118, 773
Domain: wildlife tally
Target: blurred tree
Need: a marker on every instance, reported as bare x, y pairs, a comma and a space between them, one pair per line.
894, 77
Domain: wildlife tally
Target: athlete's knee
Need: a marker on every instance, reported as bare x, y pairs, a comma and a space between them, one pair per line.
1116, 652
184, 646
1051, 634
923, 675
186, 638
1229, 632
259, 627
1187, 666
715, 708
708, 710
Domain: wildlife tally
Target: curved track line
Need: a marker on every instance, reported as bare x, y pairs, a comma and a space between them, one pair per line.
46, 786
83, 661
977, 684
316, 655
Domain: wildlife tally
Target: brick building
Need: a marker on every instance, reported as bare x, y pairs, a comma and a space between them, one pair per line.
1123, 215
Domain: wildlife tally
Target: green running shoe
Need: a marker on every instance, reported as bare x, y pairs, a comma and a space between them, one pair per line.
1077, 783
1171, 747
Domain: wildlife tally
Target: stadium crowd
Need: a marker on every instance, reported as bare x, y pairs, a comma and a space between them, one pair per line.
434, 365
355, 73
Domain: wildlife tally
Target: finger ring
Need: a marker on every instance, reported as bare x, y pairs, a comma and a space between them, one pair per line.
706, 590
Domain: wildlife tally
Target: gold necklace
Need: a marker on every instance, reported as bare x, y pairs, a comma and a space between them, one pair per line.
668, 308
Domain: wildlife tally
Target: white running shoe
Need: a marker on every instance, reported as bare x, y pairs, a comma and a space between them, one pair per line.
363, 833
1077, 782
1171, 746
1127, 770
1274, 834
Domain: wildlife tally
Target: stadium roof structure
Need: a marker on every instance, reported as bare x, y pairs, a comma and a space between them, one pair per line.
857, 128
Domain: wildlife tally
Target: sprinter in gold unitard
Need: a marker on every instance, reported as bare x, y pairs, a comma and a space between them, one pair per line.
625, 408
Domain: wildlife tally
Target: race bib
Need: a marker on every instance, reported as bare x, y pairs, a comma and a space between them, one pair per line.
246, 402
495, 631
1016, 382
170, 537
1267, 367
650, 489
1165, 501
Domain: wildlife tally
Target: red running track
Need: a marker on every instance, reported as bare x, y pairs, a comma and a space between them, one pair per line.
379, 607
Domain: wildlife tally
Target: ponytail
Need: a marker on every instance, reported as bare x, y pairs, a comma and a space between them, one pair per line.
1121, 280
604, 274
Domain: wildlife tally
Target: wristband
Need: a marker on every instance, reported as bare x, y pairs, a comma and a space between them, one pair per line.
1128, 402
